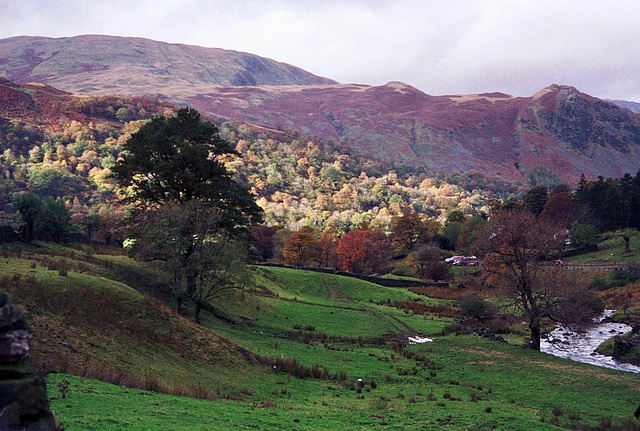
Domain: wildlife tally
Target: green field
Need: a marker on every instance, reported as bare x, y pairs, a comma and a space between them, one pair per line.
611, 250
347, 327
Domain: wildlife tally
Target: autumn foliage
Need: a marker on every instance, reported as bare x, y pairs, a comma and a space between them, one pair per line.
363, 251
301, 249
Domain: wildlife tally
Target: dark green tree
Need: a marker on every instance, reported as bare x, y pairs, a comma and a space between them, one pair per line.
176, 162
469, 233
583, 234
53, 221
177, 159
28, 206
535, 199
46, 219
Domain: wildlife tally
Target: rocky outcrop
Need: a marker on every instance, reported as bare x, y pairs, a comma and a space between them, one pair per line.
23, 396
622, 346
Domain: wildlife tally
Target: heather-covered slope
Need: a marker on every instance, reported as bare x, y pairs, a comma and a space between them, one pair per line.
95, 64
558, 128
47, 106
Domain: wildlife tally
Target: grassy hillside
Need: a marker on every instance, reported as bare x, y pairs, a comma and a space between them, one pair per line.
353, 331
86, 322
611, 250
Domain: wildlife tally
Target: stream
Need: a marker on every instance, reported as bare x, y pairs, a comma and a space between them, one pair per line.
580, 347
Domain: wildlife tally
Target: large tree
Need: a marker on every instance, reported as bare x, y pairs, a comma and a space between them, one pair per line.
517, 247
177, 159
45, 219
301, 249
171, 169
410, 230
363, 251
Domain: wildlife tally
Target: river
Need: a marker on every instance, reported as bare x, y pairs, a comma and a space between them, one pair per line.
580, 347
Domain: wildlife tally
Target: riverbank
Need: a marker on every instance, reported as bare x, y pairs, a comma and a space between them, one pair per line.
581, 347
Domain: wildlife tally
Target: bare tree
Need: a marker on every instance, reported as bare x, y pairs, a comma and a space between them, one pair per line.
517, 248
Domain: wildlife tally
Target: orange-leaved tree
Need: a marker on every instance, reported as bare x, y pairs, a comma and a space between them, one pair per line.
363, 251
301, 249
327, 247
410, 230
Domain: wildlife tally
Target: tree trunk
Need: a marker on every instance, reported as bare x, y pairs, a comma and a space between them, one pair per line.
626, 238
535, 337
179, 303
197, 312
191, 285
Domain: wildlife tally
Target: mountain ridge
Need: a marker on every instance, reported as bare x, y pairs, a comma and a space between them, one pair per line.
97, 64
558, 128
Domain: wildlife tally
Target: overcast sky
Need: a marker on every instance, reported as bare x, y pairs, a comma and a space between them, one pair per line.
441, 47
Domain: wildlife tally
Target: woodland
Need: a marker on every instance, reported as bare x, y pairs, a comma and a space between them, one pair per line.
306, 186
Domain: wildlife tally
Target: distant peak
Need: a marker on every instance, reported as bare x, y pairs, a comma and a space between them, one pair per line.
557, 88
400, 86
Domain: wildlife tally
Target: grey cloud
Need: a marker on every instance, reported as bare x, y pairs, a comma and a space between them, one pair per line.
441, 47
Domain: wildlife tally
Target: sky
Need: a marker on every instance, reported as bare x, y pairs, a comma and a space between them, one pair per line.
441, 47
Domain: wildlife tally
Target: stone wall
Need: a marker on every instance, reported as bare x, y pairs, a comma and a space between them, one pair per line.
387, 282
23, 396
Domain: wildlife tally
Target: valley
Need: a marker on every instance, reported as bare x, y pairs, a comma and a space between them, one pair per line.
205, 239
342, 325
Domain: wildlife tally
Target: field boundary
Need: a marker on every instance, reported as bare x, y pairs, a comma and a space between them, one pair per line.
386, 282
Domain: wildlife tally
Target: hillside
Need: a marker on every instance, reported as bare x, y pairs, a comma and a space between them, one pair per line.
352, 333
86, 320
58, 144
95, 64
626, 104
559, 128
50, 109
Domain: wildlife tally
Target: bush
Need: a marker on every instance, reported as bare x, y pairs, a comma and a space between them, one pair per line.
380, 403
434, 270
621, 278
477, 308
404, 271
583, 234
617, 279
292, 367
427, 259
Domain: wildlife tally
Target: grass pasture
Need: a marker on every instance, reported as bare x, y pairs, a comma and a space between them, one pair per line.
285, 325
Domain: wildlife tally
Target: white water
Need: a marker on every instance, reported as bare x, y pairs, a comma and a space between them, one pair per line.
580, 347
419, 340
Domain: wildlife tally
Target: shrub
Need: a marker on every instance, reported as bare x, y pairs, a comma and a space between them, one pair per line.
435, 270
292, 367
476, 307
583, 234
404, 271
